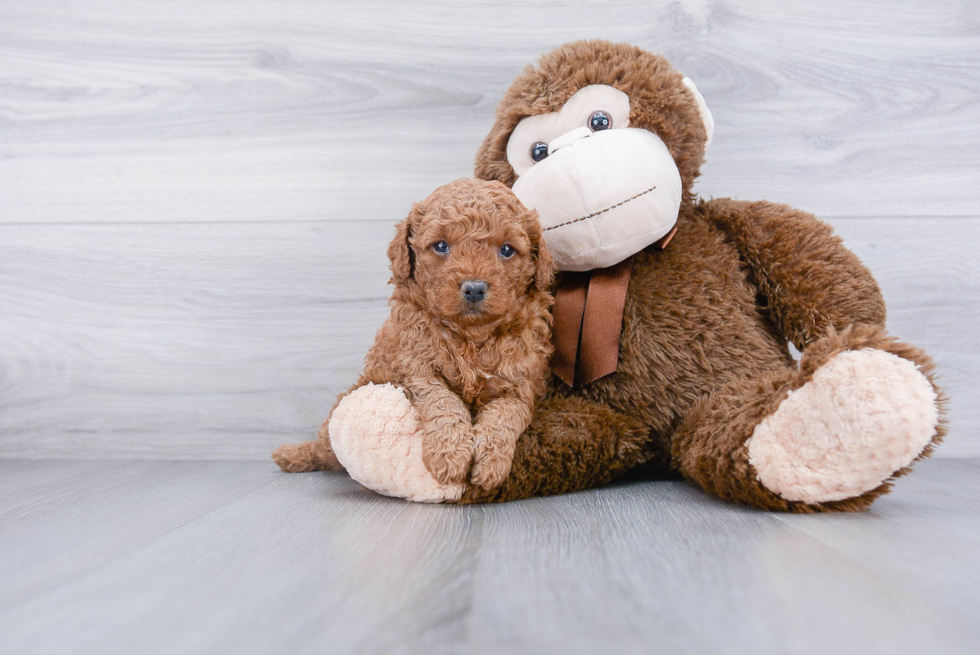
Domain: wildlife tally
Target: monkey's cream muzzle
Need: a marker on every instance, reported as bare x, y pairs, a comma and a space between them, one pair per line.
602, 196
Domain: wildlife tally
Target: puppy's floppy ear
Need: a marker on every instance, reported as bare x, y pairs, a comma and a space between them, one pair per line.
399, 250
544, 265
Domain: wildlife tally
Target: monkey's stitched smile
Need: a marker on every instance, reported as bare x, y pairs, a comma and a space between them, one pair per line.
601, 211
612, 194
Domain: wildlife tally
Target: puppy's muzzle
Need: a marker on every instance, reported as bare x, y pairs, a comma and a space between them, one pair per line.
473, 290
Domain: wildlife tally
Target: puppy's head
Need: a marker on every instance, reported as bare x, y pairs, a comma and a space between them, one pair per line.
470, 253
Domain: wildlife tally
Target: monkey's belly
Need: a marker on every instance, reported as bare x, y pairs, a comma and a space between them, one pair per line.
691, 324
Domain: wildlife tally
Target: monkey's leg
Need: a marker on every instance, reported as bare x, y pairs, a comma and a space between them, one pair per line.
829, 436
571, 444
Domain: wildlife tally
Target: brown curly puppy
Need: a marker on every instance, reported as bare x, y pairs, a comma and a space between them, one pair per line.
469, 334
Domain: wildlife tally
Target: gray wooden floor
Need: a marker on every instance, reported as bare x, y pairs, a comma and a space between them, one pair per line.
235, 557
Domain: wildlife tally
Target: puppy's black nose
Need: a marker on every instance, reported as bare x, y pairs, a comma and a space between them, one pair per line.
473, 290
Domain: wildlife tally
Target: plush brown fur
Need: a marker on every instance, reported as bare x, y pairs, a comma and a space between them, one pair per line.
473, 371
703, 352
709, 447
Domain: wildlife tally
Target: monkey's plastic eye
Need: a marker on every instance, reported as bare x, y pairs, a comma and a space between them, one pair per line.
599, 121
441, 247
539, 151
507, 251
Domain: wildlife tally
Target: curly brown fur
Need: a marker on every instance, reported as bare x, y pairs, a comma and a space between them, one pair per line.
316, 455
473, 370
703, 351
307, 456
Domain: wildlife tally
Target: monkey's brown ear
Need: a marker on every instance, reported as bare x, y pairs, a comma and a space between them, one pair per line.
544, 265
399, 250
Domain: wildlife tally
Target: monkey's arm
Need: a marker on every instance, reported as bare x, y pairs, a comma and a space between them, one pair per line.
809, 280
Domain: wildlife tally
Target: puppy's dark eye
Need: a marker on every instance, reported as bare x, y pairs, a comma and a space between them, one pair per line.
441, 247
539, 151
599, 121
507, 251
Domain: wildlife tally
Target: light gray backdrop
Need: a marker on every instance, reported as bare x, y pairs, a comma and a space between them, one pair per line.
196, 196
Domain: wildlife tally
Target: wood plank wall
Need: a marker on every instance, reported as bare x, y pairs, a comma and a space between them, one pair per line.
196, 195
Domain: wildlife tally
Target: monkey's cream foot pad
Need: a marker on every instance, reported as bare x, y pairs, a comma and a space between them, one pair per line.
376, 435
864, 415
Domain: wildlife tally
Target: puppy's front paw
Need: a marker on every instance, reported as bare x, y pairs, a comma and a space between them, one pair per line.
448, 460
491, 464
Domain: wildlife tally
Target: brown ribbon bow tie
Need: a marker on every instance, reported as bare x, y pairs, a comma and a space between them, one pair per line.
588, 316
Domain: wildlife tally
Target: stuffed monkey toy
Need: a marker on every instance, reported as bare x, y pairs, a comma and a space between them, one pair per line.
673, 317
